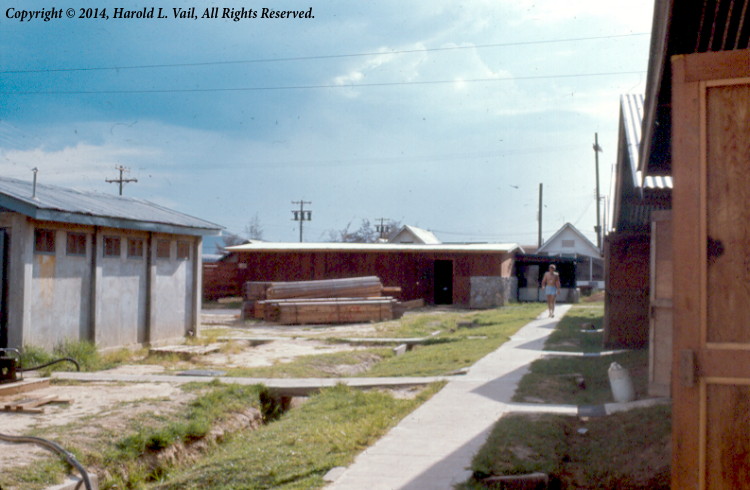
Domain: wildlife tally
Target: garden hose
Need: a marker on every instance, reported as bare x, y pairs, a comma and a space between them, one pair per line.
51, 446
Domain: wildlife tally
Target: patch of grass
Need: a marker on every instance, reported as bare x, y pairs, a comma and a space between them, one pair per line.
228, 303
520, 444
84, 352
568, 335
117, 455
303, 445
453, 349
316, 366
624, 450
201, 414
460, 347
42, 474
555, 380
123, 459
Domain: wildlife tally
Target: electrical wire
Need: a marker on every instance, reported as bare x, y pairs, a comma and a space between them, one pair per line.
322, 86
323, 57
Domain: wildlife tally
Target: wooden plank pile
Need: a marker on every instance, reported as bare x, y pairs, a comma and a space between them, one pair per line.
31, 405
329, 301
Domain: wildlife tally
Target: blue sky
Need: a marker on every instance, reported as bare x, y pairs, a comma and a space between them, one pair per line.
446, 115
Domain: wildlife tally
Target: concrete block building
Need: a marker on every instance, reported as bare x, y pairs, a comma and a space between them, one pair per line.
113, 270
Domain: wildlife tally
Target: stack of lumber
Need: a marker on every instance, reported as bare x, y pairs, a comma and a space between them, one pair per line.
350, 300
328, 310
353, 287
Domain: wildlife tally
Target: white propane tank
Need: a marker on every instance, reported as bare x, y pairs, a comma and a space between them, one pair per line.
622, 385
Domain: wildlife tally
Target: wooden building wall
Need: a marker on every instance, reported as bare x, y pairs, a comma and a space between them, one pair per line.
626, 304
413, 272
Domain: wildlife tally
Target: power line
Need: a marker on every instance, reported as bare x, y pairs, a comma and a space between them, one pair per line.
323, 86
323, 57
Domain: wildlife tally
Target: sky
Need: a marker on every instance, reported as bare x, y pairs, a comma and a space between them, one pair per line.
446, 115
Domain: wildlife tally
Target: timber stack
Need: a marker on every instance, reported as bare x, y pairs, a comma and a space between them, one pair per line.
350, 300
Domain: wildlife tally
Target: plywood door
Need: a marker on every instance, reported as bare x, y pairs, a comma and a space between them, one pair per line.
711, 219
660, 304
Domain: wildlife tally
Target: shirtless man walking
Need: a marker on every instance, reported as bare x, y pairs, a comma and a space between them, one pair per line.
551, 285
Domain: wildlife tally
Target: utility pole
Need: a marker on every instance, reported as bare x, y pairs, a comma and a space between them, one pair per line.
301, 215
540, 215
121, 180
382, 228
598, 227
33, 189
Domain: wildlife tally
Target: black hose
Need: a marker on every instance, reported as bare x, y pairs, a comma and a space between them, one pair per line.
69, 359
51, 446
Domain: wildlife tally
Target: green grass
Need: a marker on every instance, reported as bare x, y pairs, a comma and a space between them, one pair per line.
315, 366
554, 380
117, 456
568, 336
624, 450
302, 446
83, 352
454, 348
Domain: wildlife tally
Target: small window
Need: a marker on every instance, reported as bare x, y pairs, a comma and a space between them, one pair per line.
162, 249
568, 243
135, 248
183, 250
111, 246
76, 244
44, 241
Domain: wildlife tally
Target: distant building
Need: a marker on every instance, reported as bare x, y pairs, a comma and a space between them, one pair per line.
113, 270
569, 242
472, 275
412, 234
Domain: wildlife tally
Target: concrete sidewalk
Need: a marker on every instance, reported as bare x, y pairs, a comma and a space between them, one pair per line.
432, 447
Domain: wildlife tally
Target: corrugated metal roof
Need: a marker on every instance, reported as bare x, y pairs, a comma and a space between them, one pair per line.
635, 196
631, 106
53, 203
372, 247
683, 27
657, 182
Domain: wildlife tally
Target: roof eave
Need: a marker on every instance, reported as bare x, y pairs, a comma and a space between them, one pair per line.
654, 78
27, 209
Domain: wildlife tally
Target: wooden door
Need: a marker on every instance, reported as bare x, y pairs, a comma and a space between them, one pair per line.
660, 305
711, 219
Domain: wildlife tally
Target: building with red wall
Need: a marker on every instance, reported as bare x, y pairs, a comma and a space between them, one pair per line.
472, 275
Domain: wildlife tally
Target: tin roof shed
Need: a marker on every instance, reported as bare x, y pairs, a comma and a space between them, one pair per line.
52, 203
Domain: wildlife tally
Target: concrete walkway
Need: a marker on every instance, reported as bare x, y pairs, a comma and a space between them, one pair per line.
432, 447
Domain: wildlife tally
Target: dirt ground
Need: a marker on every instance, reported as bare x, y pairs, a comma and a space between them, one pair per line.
100, 406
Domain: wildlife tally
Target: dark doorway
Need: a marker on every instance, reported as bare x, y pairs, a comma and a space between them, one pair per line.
4, 247
443, 282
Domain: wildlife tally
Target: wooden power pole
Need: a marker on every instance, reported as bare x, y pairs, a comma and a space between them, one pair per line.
121, 180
